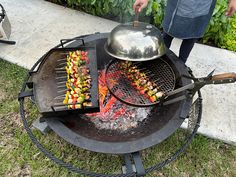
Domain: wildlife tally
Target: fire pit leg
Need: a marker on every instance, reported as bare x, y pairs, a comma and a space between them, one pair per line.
41, 125
133, 163
7, 42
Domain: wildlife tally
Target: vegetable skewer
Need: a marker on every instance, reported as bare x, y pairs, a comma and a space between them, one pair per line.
78, 80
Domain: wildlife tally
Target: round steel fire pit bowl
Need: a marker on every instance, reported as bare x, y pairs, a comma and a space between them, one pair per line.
160, 124
160, 121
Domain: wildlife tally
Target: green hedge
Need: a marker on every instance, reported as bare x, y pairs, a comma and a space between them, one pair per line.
221, 31
119, 10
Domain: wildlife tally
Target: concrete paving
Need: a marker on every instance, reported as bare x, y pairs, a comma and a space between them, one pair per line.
38, 25
219, 101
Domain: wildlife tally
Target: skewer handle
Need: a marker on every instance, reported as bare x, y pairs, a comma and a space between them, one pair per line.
224, 76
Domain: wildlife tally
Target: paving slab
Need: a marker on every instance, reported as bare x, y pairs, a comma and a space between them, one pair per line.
38, 25
219, 101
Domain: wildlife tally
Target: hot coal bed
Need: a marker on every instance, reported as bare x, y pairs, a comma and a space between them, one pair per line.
119, 128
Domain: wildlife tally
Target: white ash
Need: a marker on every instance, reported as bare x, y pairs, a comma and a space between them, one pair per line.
124, 122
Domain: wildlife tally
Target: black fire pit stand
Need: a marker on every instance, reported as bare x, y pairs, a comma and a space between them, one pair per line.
41, 125
133, 165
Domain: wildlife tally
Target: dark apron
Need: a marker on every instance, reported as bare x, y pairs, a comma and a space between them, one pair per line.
186, 19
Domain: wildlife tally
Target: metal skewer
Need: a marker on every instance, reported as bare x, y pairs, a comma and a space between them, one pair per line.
63, 63
147, 72
64, 90
59, 97
62, 82
60, 69
156, 80
137, 62
63, 59
141, 69
61, 72
150, 75
61, 86
61, 77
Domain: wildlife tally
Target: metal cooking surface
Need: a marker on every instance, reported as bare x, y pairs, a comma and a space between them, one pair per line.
158, 72
160, 123
46, 81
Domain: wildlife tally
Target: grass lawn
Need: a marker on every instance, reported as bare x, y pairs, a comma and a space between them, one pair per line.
19, 157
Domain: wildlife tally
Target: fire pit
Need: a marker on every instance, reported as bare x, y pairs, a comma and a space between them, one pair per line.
120, 128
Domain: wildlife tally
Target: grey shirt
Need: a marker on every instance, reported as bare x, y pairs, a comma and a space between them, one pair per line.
186, 19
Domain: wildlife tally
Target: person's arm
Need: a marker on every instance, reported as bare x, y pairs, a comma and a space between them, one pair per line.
140, 4
231, 8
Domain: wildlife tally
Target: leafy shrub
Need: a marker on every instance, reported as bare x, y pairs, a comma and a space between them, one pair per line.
158, 7
221, 30
229, 39
118, 10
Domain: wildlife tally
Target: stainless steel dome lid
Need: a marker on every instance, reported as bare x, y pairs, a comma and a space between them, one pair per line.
135, 41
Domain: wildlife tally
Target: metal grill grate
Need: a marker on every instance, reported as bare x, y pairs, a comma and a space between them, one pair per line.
158, 72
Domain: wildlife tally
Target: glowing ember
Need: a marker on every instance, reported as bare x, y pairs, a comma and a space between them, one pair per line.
114, 114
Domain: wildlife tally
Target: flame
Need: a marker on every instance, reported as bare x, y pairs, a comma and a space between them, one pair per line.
106, 100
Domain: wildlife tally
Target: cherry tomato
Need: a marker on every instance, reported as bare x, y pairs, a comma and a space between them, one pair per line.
142, 91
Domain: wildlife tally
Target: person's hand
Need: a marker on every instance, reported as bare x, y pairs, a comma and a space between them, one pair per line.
231, 8
139, 5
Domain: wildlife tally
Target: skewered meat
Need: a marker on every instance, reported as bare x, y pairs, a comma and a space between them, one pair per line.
141, 81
